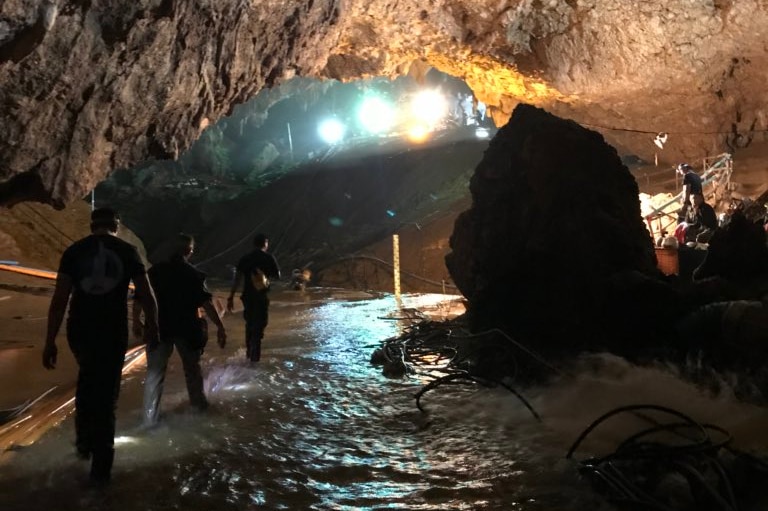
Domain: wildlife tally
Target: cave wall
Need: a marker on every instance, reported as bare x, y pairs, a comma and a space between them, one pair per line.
88, 86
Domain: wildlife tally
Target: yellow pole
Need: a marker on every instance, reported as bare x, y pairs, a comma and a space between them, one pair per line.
396, 264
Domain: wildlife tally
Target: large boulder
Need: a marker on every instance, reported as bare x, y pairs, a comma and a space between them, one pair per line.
554, 242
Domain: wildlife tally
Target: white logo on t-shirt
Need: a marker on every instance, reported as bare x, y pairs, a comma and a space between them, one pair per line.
104, 274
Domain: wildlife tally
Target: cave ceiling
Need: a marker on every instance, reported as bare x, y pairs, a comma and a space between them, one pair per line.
89, 86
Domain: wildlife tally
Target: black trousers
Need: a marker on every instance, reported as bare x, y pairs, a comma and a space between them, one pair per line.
256, 315
100, 355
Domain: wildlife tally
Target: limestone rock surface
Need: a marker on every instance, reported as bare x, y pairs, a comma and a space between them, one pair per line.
87, 87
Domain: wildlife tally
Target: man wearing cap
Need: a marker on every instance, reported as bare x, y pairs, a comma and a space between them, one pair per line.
702, 219
181, 291
253, 275
692, 185
96, 272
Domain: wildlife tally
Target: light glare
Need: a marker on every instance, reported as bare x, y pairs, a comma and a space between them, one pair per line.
429, 107
418, 132
331, 131
375, 115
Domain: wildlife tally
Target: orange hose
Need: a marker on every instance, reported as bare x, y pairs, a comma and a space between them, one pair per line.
46, 274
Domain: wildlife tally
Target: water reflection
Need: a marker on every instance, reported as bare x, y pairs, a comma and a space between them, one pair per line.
314, 426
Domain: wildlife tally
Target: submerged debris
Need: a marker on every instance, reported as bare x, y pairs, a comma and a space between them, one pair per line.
673, 463
446, 352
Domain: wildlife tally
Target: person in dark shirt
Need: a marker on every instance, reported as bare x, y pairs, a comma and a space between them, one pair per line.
181, 291
96, 272
692, 185
254, 271
702, 220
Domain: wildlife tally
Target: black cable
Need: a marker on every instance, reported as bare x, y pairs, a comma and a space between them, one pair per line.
725, 480
698, 462
622, 409
624, 447
640, 496
472, 379
690, 473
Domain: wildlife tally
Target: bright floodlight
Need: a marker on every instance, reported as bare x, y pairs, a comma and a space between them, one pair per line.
429, 106
418, 132
482, 133
376, 115
331, 131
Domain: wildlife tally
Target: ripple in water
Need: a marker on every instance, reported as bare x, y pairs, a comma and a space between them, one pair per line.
314, 426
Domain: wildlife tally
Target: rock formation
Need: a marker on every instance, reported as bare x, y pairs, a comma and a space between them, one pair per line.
554, 218
554, 254
87, 87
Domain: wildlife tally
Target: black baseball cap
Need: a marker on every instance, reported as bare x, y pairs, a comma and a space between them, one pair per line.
104, 217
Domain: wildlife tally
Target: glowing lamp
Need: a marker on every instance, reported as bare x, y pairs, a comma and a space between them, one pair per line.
429, 106
375, 115
482, 133
331, 131
418, 132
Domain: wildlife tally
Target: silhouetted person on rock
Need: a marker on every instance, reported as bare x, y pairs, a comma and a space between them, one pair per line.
96, 271
702, 220
692, 184
254, 271
181, 291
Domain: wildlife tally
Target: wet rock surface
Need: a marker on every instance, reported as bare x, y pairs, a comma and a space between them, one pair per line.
90, 87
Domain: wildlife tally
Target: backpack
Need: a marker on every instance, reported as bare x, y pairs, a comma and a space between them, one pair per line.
259, 280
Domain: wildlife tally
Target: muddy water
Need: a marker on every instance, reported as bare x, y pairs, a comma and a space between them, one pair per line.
314, 427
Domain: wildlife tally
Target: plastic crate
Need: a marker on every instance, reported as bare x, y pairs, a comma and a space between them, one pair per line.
667, 261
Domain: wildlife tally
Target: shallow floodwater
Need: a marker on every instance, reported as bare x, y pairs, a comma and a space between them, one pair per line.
314, 426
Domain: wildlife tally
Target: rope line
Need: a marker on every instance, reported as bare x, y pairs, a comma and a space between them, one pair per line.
390, 265
656, 132
237, 243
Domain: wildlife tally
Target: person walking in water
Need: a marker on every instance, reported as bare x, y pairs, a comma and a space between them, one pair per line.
96, 271
252, 276
181, 291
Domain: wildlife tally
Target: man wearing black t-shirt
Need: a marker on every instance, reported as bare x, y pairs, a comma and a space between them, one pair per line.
96, 272
702, 220
181, 291
254, 270
692, 185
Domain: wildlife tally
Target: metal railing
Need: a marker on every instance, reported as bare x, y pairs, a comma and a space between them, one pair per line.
717, 173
